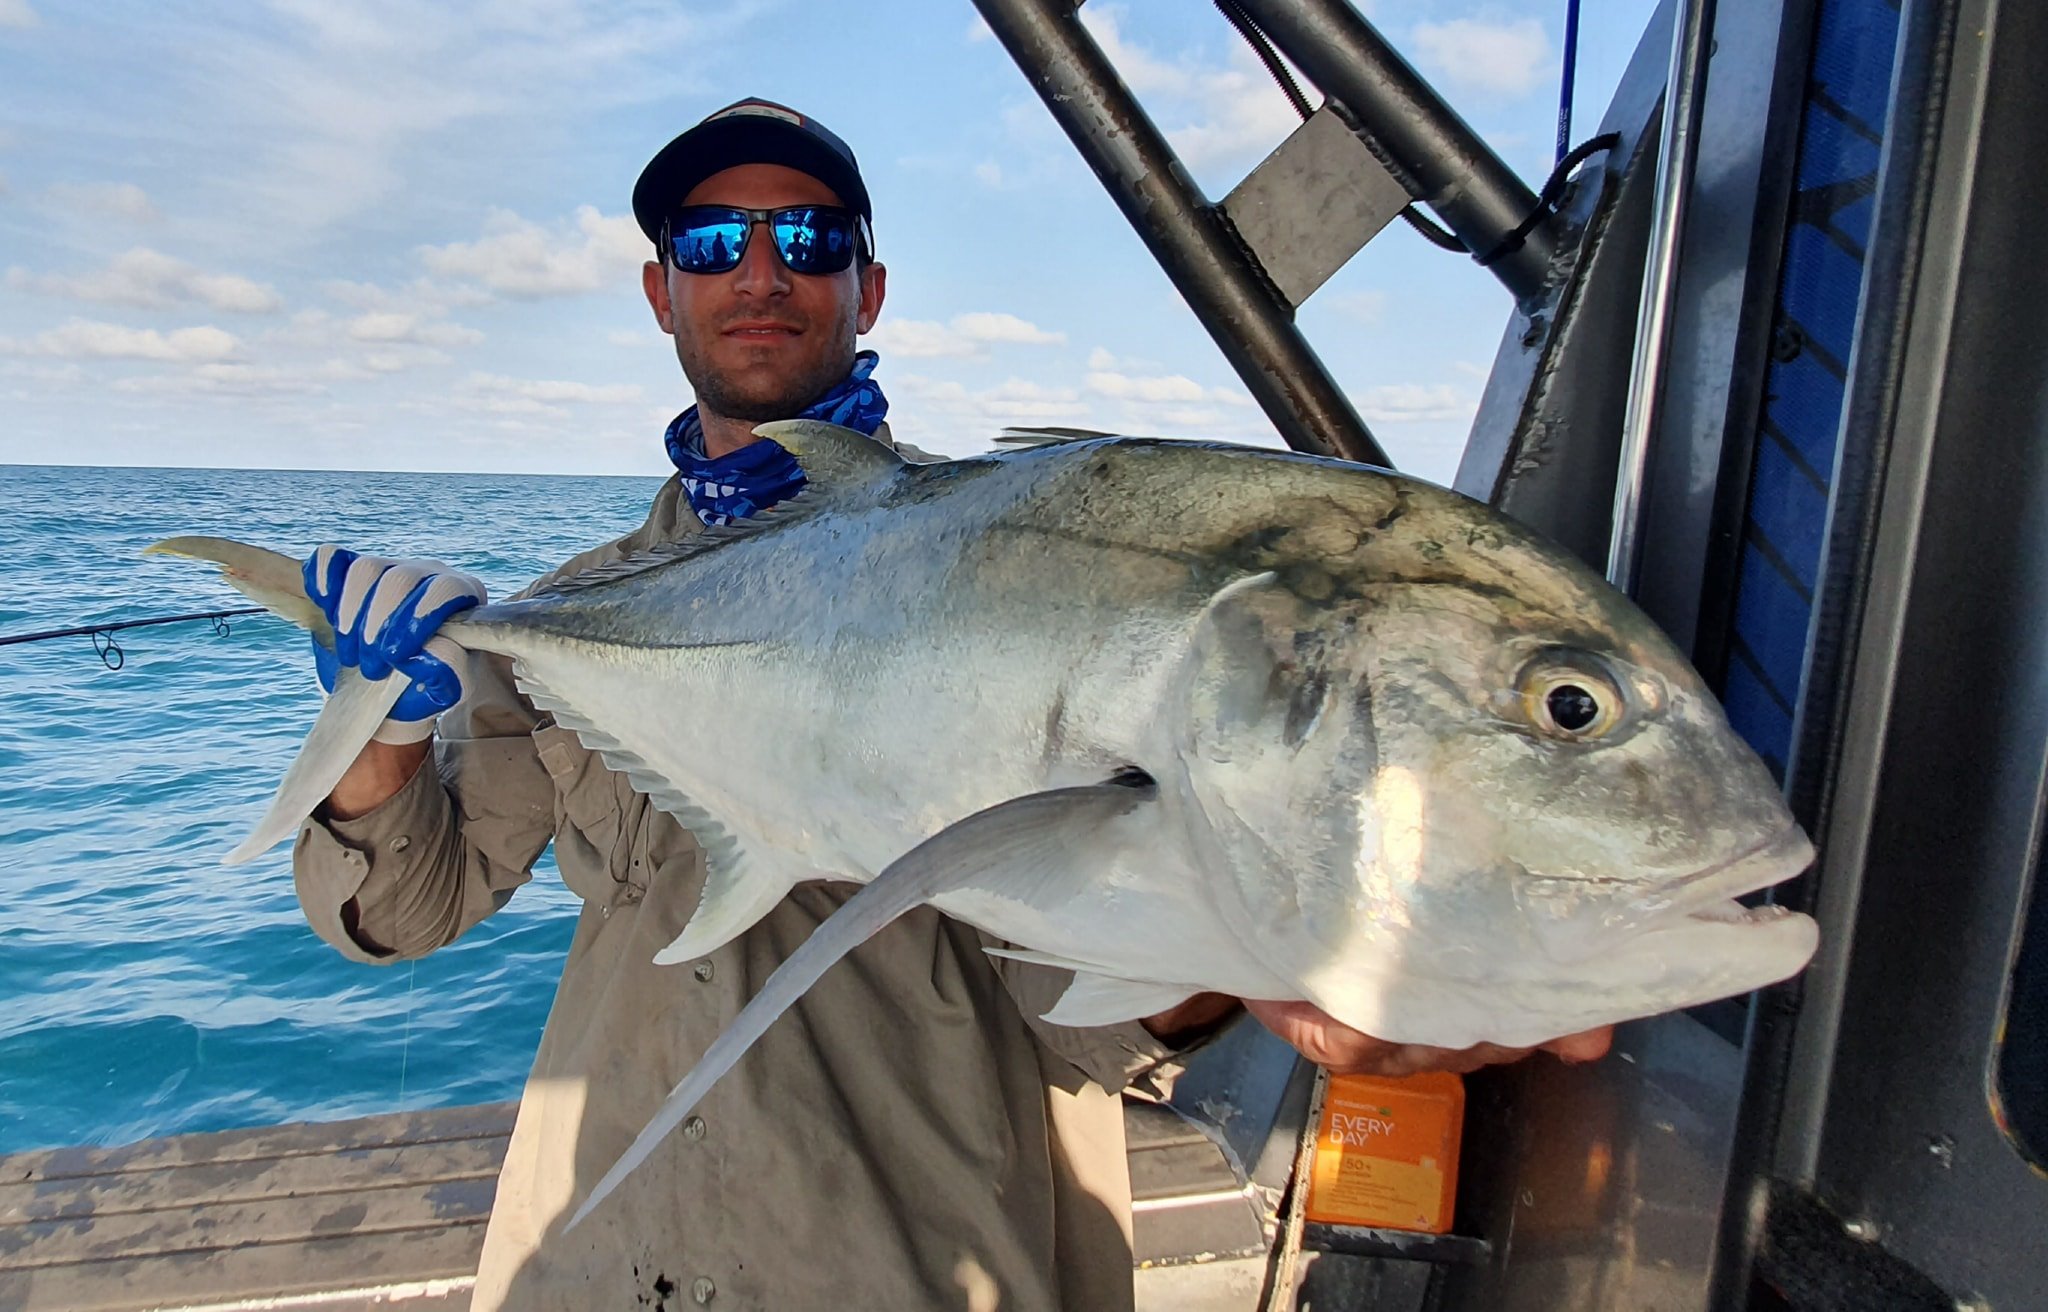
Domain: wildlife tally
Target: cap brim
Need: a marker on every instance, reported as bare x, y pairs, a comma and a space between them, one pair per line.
711, 148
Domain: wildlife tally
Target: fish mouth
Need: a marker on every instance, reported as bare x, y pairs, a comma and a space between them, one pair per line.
1581, 928
1711, 894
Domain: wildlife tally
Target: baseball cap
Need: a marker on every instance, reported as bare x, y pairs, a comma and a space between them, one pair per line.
752, 131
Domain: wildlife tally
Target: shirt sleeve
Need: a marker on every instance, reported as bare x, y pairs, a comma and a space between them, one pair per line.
444, 851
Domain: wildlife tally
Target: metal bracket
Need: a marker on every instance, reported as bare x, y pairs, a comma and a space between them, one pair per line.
1313, 204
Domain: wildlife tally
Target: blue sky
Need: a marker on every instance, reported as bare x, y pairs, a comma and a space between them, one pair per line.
362, 234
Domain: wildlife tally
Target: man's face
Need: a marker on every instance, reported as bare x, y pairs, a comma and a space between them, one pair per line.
760, 342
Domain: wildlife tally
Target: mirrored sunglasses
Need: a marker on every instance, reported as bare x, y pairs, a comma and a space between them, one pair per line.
811, 239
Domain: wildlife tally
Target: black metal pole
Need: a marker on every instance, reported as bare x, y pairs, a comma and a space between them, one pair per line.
1442, 161
1228, 293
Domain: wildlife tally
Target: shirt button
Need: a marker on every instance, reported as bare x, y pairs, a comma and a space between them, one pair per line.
702, 970
694, 1128
400, 843
703, 1290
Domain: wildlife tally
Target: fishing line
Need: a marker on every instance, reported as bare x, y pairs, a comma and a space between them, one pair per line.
405, 1047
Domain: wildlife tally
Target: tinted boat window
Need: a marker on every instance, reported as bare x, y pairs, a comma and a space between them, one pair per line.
2020, 1086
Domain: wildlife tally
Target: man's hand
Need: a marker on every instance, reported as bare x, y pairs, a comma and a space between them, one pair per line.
385, 614
1345, 1051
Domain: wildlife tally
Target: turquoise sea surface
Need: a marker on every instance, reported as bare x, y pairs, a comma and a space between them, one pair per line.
146, 989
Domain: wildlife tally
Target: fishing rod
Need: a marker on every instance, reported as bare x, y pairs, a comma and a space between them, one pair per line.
109, 648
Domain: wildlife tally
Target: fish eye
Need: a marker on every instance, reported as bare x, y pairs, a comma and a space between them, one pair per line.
1570, 699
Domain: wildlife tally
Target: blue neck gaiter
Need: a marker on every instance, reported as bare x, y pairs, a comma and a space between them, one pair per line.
760, 474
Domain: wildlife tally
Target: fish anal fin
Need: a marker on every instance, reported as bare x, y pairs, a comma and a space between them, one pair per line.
834, 459
737, 890
728, 907
1039, 831
1095, 999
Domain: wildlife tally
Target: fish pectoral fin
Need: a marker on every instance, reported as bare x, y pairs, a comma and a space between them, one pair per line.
1053, 960
1037, 831
1037, 958
1096, 999
833, 459
1098, 995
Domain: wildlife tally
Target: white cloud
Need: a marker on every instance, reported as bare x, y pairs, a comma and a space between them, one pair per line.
1102, 358
67, 374
122, 200
1127, 387
91, 339
1211, 114
989, 326
1141, 70
403, 329
1503, 58
989, 173
948, 417
1401, 403
17, 13
554, 391
422, 296
389, 326
962, 336
520, 258
918, 339
153, 280
236, 379
398, 360
1157, 389
1367, 307
345, 107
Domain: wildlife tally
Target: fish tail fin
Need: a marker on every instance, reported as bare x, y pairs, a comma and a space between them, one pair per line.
346, 722
345, 725
270, 579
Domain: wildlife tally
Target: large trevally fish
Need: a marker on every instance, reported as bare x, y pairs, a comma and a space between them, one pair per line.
1176, 717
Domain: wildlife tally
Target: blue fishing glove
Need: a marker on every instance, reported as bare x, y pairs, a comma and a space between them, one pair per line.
385, 614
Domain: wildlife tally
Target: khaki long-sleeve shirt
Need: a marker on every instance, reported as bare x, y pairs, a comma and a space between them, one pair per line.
909, 1136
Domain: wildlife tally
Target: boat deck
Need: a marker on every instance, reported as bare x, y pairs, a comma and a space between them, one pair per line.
388, 1212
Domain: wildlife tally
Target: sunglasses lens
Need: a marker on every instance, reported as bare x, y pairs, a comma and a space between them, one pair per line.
814, 240
708, 242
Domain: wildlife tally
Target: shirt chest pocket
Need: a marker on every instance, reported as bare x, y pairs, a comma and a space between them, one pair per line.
609, 839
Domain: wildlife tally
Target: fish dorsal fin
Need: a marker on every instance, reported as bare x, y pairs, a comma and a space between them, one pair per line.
1035, 846
798, 507
835, 460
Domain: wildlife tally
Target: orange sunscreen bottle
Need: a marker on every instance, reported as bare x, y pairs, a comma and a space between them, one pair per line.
1387, 1152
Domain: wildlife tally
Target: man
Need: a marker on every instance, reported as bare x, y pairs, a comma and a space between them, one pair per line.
911, 1135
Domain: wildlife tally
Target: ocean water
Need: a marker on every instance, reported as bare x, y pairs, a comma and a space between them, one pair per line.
146, 989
